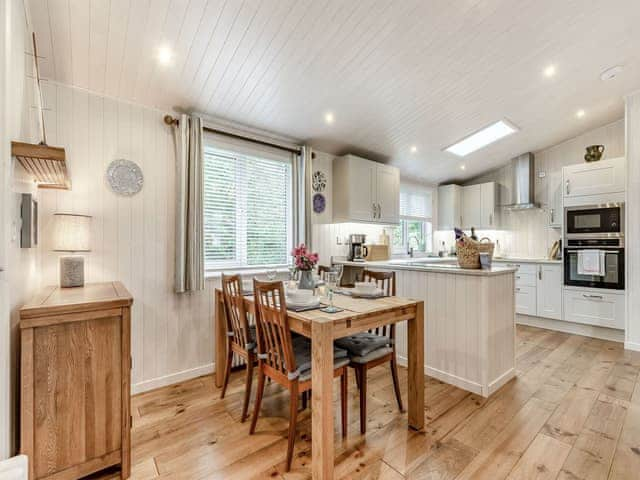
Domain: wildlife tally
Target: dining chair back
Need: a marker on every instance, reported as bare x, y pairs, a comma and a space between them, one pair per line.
240, 335
387, 282
274, 335
237, 320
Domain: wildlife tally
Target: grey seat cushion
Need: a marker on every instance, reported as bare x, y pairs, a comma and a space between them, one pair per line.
380, 352
302, 352
337, 363
361, 344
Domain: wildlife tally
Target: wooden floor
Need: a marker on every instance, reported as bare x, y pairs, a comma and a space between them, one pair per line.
572, 413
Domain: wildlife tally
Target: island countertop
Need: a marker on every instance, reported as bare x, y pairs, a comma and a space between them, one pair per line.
439, 265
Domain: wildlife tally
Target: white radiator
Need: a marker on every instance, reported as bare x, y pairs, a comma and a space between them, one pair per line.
15, 468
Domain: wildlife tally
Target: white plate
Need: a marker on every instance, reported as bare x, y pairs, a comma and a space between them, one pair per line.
315, 301
359, 293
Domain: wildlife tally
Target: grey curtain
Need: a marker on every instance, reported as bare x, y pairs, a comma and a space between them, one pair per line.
189, 267
302, 202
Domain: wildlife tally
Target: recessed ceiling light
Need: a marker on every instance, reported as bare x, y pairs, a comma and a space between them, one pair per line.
550, 71
414, 149
580, 113
164, 55
462, 167
611, 73
328, 118
482, 138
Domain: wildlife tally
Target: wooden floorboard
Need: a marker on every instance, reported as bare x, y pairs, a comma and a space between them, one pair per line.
573, 412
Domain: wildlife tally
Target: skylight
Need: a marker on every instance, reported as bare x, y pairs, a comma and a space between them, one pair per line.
482, 138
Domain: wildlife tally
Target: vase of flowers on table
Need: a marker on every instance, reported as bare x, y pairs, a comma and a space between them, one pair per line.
304, 261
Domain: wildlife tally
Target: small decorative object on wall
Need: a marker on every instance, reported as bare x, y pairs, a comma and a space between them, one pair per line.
125, 177
319, 203
594, 153
29, 216
319, 181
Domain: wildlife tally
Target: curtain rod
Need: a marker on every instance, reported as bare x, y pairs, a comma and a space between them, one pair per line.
169, 120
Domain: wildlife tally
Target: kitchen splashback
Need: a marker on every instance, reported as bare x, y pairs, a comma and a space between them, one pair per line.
325, 235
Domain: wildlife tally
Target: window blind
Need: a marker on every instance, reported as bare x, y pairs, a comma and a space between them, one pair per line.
247, 210
415, 202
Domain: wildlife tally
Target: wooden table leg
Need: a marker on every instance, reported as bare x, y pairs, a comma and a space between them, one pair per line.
416, 368
322, 401
220, 339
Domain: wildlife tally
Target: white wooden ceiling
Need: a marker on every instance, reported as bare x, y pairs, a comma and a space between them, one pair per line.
395, 73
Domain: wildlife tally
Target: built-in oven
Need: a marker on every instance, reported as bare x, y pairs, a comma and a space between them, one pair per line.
594, 221
612, 256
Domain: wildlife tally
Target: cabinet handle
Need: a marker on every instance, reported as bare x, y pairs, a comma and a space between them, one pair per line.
374, 211
517, 289
379, 211
552, 212
567, 187
592, 296
539, 273
517, 277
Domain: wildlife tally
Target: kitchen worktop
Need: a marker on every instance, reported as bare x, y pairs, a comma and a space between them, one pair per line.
525, 260
442, 265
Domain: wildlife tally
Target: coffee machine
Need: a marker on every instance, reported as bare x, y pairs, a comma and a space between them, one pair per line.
357, 248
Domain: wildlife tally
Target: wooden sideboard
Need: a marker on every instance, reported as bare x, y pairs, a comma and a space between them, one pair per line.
75, 362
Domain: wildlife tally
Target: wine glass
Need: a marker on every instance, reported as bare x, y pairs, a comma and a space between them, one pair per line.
331, 280
271, 274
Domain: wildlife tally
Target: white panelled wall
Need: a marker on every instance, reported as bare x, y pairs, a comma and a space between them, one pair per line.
132, 238
632, 257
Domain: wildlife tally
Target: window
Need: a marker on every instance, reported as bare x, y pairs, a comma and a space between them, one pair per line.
247, 209
415, 229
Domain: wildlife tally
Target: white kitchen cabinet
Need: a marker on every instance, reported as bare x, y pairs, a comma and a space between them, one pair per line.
365, 191
594, 307
449, 207
596, 178
388, 194
488, 205
549, 291
471, 206
526, 300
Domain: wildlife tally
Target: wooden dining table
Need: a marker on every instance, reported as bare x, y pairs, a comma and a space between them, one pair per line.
358, 315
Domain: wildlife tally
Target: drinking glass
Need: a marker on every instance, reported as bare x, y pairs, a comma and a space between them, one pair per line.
271, 275
331, 279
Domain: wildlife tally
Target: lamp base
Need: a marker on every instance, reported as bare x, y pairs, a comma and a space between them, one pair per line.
71, 272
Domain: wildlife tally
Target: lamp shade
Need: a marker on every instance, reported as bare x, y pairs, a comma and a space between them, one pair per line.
71, 233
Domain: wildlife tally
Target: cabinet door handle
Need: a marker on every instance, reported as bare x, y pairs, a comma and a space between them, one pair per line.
552, 212
379, 211
592, 296
566, 184
517, 289
374, 210
540, 273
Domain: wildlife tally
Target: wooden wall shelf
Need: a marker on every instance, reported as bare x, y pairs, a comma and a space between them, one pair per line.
47, 164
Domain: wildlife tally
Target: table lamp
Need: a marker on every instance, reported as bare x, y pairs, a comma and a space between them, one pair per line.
71, 234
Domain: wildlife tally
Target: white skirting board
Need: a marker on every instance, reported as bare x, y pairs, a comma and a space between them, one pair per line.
171, 379
463, 383
632, 346
570, 327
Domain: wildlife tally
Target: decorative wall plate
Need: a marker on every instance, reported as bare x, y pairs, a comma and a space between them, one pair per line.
319, 181
124, 177
319, 203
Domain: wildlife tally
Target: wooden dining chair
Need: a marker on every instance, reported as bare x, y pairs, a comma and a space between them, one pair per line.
373, 348
285, 361
241, 336
322, 271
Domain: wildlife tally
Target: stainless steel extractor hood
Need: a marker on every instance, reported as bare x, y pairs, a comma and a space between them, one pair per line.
521, 195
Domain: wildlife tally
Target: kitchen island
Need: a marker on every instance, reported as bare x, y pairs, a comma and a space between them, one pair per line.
469, 320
